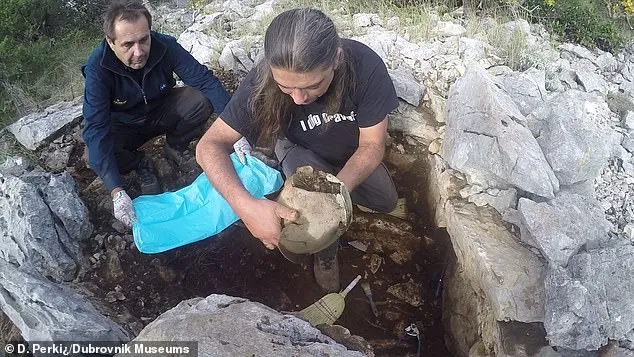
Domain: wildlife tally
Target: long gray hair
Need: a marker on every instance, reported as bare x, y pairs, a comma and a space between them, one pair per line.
298, 40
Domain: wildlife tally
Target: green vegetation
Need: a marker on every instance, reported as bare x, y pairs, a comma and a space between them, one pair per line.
43, 72
44, 42
588, 22
42, 46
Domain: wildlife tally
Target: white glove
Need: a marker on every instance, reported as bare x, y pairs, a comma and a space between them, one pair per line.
123, 210
242, 148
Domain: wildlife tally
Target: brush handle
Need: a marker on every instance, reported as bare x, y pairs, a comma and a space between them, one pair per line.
350, 286
368, 293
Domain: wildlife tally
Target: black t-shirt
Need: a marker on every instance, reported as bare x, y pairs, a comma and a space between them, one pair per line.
374, 97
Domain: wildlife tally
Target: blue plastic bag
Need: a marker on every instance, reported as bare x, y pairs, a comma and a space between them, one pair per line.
195, 212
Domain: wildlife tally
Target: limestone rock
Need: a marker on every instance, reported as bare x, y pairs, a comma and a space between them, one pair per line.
591, 301
46, 311
411, 121
220, 325
485, 139
495, 262
562, 226
528, 89
34, 130
42, 221
407, 87
571, 131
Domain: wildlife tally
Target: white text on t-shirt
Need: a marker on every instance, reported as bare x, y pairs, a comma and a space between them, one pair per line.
315, 120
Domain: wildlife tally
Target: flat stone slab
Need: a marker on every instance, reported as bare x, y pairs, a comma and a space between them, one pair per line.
37, 129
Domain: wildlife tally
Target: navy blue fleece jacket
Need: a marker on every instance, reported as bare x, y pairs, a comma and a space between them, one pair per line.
111, 93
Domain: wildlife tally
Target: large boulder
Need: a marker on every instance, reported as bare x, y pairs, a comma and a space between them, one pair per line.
560, 227
485, 138
528, 89
42, 221
46, 311
229, 326
37, 129
571, 129
508, 274
591, 301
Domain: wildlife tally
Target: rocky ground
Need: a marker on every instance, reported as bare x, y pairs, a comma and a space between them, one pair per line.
401, 259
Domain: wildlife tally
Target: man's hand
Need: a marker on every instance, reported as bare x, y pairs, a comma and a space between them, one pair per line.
242, 148
261, 217
123, 210
264, 221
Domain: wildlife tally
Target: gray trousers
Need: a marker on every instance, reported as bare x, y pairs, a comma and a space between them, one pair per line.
377, 192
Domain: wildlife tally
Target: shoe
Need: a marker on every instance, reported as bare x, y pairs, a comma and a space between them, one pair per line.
326, 271
183, 159
147, 178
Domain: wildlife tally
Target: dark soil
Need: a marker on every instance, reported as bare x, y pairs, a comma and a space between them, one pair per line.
234, 263
140, 287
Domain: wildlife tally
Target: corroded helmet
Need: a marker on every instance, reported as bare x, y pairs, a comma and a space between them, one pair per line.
325, 212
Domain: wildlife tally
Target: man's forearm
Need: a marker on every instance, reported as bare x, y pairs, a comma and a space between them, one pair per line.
101, 155
219, 170
360, 165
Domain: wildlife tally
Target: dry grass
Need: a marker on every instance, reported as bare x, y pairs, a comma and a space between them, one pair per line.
416, 19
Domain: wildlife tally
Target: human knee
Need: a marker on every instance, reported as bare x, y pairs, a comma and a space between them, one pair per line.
382, 200
197, 106
387, 202
292, 156
290, 167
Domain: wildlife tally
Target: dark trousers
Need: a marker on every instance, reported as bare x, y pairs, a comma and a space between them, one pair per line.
377, 192
181, 116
